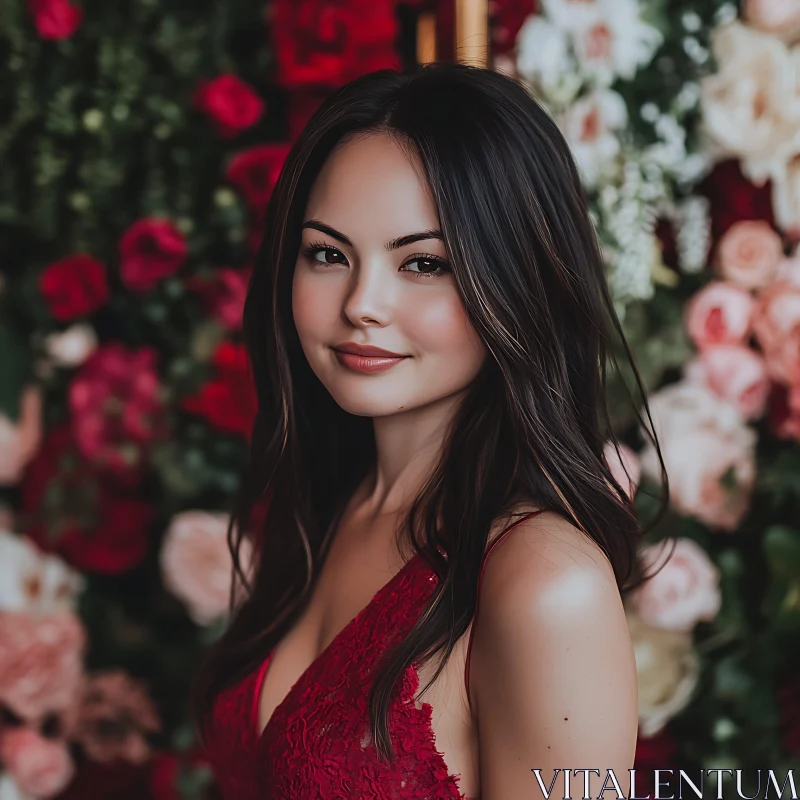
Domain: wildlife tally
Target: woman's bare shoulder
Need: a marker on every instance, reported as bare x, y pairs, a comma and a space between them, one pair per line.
548, 535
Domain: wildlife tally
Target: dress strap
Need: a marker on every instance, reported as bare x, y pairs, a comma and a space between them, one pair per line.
494, 544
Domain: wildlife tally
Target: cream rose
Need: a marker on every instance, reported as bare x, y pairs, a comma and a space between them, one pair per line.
779, 18
71, 347
776, 324
196, 563
751, 106
786, 196
749, 253
736, 374
720, 313
684, 590
668, 670
708, 451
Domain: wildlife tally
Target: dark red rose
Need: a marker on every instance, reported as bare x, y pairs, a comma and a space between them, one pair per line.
230, 103
73, 286
255, 172
506, 18
789, 697
329, 42
652, 752
150, 250
55, 19
733, 198
67, 509
118, 780
228, 401
223, 294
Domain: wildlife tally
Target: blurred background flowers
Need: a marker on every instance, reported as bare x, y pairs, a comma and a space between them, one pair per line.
140, 143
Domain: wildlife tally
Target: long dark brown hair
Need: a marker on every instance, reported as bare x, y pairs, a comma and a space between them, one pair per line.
534, 422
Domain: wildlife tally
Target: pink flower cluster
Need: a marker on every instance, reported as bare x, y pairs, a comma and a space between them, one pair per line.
755, 301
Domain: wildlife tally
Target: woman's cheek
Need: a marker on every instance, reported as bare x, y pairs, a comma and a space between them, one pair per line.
310, 305
438, 325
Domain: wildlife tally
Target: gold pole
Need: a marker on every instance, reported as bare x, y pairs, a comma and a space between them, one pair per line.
426, 37
472, 32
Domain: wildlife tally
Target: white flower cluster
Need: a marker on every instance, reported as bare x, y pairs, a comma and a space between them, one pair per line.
571, 54
751, 105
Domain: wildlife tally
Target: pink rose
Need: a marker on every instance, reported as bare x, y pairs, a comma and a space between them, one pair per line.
776, 324
196, 563
20, 439
720, 313
749, 252
781, 18
40, 767
55, 19
683, 592
708, 450
736, 373
116, 406
626, 462
41, 662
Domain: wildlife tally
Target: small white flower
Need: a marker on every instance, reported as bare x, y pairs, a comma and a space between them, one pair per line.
71, 347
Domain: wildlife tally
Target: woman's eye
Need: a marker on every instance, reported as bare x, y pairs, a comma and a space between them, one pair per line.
324, 255
427, 266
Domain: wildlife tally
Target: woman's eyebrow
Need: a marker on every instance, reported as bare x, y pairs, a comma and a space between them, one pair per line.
394, 244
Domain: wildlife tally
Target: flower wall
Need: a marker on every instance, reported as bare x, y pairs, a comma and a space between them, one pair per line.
141, 143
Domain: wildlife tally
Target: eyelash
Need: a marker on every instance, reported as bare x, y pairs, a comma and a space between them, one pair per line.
442, 268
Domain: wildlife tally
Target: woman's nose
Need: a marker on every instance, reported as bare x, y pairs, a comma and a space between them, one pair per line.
369, 295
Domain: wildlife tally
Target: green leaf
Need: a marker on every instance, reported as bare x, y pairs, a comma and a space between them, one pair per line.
782, 550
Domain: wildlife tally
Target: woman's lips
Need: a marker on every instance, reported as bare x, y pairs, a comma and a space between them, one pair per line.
367, 364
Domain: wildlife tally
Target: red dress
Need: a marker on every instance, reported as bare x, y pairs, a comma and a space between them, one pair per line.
317, 744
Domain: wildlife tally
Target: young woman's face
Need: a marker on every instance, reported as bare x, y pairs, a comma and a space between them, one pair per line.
356, 281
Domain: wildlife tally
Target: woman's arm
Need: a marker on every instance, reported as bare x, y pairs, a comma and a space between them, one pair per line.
552, 675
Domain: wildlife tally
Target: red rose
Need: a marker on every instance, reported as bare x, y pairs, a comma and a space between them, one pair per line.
329, 42
230, 103
254, 172
55, 19
228, 401
223, 295
68, 510
73, 286
150, 250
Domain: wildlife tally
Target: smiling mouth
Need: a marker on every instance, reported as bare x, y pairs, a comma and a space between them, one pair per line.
367, 364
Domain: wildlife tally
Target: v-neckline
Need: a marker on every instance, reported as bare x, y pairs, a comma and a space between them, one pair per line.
264, 669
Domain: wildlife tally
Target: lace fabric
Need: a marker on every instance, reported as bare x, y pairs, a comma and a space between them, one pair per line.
317, 745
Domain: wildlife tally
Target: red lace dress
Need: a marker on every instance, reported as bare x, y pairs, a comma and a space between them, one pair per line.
317, 744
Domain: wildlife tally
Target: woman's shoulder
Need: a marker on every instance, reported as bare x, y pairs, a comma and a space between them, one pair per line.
546, 542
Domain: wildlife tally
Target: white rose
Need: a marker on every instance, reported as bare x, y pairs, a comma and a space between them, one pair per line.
31, 580
751, 106
543, 58
590, 127
780, 18
73, 346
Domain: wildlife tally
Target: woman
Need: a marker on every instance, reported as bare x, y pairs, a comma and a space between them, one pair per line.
428, 323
